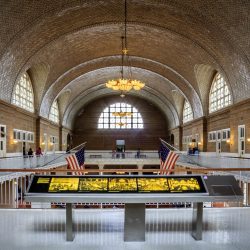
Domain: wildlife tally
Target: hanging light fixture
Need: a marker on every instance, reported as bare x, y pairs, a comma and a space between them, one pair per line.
125, 84
122, 114
121, 124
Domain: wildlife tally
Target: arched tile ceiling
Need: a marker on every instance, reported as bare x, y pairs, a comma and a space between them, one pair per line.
78, 40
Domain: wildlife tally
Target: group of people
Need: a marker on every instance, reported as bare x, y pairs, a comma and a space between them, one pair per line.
38, 152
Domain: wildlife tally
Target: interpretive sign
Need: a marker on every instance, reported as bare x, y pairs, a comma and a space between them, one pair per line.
117, 184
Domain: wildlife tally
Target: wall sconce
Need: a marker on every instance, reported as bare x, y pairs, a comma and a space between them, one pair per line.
228, 140
43, 143
15, 141
248, 139
51, 144
199, 143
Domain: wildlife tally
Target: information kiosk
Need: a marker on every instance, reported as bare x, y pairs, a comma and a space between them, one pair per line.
134, 191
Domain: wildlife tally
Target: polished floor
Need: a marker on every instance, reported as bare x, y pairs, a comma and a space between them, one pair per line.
97, 229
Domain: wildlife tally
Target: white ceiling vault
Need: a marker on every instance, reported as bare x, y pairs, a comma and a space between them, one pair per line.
71, 48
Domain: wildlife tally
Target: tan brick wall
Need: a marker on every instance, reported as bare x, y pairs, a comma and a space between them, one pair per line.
85, 128
230, 117
191, 129
50, 129
16, 118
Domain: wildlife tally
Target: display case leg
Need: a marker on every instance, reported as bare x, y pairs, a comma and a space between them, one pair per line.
197, 220
69, 222
134, 222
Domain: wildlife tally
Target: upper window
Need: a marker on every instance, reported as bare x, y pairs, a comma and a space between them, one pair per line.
120, 116
187, 112
23, 93
220, 96
54, 112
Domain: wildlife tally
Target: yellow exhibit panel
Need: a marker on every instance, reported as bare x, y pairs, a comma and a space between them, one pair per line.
43, 180
152, 184
122, 184
63, 184
183, 184
93, 184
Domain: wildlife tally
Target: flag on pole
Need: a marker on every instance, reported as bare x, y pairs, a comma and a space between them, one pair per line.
168, 159
76, 161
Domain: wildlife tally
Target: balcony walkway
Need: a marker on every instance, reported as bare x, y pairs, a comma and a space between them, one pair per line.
36, 229
102, 158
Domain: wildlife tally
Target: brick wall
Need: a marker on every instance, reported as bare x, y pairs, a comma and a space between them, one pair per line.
230, 117
16, 118
85, 128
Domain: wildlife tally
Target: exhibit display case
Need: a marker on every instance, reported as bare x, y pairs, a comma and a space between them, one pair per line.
117, 184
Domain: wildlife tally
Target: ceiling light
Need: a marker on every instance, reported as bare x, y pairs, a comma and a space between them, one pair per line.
125, 84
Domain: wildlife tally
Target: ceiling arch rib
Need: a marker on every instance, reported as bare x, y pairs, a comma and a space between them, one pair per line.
189, 20
83, 45
94, 93
75, 77
155, 84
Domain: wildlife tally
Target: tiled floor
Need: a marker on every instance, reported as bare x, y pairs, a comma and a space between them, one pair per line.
167, 229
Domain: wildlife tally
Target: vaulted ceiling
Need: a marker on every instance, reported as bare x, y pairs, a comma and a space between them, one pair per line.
71, 48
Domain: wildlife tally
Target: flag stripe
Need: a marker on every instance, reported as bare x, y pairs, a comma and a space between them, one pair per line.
76, 161
168, 159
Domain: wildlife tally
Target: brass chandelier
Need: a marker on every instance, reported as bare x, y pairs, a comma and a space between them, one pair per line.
121, 124
122, 114
125, 84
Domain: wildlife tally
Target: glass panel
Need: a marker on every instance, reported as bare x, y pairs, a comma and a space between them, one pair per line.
111, 121
220, 96
54, 112
242, 145
23, 93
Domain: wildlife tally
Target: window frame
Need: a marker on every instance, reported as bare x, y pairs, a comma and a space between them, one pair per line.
23, 94
187, 114
54, 116
23, 135
219, 96
108, 121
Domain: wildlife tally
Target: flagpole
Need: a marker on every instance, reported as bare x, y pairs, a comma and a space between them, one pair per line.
63, 154
188, 156
169, 145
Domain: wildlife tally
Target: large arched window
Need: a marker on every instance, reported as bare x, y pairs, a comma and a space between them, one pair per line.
220, 96
120, 116
23, 93
54, 112
187, 112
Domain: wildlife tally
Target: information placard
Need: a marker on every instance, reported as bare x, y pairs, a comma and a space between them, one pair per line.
117, 184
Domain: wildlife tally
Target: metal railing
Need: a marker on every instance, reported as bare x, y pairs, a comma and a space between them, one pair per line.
15, 172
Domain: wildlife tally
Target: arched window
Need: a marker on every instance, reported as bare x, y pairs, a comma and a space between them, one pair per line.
23, 93
220, 96
54, 112
187, 112
120, 116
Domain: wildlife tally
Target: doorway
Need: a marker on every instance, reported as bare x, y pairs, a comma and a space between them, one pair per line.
218, 142
241, 140
2, 140
24, 148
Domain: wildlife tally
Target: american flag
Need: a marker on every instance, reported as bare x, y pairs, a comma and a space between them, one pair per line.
76, 161
168, 159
